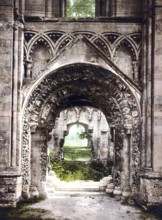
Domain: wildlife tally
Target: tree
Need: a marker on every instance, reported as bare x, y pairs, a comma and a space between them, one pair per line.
80, 8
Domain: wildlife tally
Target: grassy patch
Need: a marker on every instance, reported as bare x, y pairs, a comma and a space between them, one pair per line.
77, 153
23, 211
76, 170
152, 213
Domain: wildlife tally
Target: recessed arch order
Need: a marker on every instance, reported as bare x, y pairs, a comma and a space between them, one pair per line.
87, 84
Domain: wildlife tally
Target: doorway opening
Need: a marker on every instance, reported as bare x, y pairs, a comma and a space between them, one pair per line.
76, 144
81, 145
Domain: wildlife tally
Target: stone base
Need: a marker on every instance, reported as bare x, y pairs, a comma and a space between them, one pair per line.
126, 194
151, 190
10, 190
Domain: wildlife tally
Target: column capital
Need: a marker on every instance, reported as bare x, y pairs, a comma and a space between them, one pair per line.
128, 128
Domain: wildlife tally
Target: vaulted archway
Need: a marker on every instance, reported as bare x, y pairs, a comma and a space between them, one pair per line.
82, 84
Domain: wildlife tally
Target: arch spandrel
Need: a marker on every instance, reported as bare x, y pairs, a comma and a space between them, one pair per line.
90, 55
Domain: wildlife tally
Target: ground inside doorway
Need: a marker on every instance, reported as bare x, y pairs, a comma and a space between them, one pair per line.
87, 208
75, 208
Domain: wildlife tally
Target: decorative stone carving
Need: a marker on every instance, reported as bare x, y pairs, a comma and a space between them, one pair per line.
26, 157
107, 42
135, 158
28, 72
44, 161
88, 85
136, 70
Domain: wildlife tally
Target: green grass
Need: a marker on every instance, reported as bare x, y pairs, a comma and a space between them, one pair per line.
77, 153
77, 170
154, 212
23, 211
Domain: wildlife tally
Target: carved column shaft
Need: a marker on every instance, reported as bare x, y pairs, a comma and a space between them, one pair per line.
39, 158
26, 157
136, 67
126, 163
28, 72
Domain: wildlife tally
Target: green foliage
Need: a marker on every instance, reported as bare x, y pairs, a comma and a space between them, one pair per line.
80, 8
75, 170
83, 135
70, 170
77, 153
98, 170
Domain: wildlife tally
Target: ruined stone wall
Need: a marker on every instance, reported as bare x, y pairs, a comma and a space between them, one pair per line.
104, 8
151, 177
10, 177
129, 8
95, 124
6, 70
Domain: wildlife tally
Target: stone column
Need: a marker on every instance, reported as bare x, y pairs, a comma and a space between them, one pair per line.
147, 134
136, 67
39, 158
18, 72
157, 86
126, 190
35, 8
118, 146
63, 8
28, 68
57, 8
102, 8
113, 8
48, 10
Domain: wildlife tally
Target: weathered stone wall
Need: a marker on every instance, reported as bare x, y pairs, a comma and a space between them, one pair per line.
96, 126
6, 62
151, 177
41, 8
10, 189
11, 63
104, 8
35, 8
129, 8
121, 43
157, 82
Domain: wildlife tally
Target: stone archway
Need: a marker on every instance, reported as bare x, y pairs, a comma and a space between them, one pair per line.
83, 84
97, 131
72, 138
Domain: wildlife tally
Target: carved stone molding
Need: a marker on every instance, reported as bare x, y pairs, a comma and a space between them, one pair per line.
107, 42
88, 85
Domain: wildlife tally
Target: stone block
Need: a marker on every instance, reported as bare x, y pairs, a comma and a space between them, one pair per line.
3, 189
151, 191
12, 188
6, 2
35, 8
8, 197
8, 181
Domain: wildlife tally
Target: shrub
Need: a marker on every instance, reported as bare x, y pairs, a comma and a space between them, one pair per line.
76, 170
